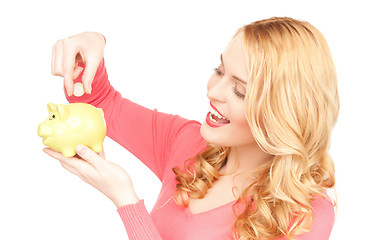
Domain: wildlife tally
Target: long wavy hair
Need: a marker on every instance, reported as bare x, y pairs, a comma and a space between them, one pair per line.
292, 106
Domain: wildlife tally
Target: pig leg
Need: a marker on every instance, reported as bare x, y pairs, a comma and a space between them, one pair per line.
97, 148
68, 152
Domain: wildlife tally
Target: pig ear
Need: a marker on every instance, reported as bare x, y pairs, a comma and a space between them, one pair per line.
63, 112
51, 107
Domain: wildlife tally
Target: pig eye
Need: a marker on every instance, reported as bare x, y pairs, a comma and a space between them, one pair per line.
52, 117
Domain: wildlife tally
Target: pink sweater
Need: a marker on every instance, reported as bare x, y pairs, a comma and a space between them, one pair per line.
162, 141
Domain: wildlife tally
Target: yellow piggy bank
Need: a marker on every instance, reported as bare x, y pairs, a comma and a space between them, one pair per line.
73, 124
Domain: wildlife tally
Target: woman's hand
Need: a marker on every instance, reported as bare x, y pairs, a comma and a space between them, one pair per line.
94, 169
88, 48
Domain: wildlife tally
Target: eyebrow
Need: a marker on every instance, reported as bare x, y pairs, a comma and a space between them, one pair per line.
240, 80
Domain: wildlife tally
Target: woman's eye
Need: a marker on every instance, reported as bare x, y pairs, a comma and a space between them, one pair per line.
237, 92
218, 72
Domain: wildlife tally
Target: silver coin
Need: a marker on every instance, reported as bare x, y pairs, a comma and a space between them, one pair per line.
78, 89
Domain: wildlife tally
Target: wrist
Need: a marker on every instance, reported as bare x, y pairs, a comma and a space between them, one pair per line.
125, 198
121, 203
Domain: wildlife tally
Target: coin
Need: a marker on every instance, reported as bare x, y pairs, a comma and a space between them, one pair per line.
78, 89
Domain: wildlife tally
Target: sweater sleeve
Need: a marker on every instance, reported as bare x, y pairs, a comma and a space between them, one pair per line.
137, 221
147, 134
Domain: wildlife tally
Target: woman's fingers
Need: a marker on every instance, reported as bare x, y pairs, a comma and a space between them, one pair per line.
57, 58
77, 71
89, 73
53, 60
63, 63
70, 169
89, 155
69, 62
78, 167
88, 48
65, 57
102, 154
107, 177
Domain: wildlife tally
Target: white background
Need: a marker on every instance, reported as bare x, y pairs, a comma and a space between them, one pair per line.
159, 54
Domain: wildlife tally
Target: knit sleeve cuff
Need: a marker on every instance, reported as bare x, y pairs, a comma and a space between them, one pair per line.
137, 221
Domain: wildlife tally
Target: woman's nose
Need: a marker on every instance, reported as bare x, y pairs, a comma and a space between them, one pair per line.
216, 89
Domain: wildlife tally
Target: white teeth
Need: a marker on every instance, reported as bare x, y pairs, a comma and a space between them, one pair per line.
214, 112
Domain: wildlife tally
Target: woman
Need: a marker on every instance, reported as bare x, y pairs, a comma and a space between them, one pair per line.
257, 168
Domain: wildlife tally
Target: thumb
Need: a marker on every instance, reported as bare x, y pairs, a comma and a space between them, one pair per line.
77, 71
88, 155
89, 74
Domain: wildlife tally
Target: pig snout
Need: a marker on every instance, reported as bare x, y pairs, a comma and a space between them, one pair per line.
44, 131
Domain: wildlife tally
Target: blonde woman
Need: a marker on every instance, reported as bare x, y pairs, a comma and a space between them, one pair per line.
258, 167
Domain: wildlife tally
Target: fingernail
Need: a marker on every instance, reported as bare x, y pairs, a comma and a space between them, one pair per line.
89, 89
80, 149
69, 92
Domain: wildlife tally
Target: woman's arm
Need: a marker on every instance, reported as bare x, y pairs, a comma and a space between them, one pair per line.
107, 177
138, 223
114, 182
146, 133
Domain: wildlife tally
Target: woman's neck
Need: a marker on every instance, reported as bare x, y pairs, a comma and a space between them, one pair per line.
245, 159
241, 161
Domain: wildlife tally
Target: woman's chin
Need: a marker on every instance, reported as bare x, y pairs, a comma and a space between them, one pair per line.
210, 136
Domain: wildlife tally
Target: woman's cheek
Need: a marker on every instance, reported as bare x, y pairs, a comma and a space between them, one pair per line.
238, 115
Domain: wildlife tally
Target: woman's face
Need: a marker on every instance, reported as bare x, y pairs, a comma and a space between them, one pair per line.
226, 124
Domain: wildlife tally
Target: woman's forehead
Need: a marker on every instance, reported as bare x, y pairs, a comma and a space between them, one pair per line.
234, 58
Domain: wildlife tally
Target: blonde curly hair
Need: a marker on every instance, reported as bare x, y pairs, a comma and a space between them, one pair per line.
293, 104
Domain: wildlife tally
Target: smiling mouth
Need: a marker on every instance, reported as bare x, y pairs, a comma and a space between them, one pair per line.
215, 119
